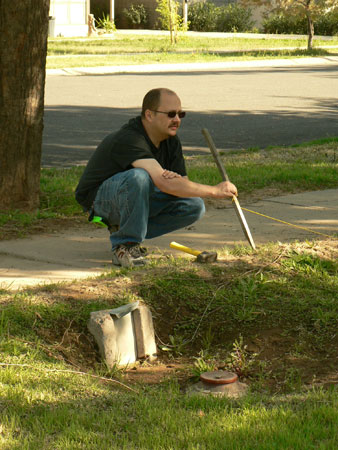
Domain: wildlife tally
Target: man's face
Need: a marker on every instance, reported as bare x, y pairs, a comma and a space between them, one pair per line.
163, 125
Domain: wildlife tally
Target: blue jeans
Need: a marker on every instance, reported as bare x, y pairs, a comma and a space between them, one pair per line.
131, 200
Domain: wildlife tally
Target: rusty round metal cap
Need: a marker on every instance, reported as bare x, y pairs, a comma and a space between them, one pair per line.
218, 377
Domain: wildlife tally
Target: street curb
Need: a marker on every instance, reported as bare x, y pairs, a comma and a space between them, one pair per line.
192, 67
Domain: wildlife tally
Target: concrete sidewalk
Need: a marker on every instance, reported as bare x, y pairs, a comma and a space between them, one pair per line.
85, 252
194, 67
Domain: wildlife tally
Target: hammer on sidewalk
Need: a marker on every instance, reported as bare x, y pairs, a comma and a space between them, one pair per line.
202, 257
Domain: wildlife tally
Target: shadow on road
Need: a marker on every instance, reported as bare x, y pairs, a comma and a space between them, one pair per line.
72, 133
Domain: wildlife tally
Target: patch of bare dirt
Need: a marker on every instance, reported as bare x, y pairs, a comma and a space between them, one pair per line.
70, 341
13, 230
159, 371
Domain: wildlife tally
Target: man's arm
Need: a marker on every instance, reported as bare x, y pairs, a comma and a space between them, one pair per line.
169, 174
182, 186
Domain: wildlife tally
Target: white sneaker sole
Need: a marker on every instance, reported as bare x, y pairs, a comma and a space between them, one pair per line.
134, 262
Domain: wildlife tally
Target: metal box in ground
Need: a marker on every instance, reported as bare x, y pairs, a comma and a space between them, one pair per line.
124, 334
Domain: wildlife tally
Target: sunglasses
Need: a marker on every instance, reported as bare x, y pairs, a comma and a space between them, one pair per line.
171, 114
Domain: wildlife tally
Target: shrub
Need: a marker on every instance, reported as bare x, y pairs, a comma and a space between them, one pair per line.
136, 14
327, 24
106, 24
234, 18
202, 16
284, 24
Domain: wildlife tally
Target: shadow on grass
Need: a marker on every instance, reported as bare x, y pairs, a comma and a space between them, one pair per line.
99, 417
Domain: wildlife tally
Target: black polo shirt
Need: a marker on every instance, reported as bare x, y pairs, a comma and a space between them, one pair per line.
118, 151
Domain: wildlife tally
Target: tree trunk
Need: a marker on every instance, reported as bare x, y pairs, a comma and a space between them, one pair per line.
23, 49
310, 29
170, 21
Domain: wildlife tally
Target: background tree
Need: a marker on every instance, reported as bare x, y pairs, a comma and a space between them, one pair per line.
311, 8
170, 18
23, 49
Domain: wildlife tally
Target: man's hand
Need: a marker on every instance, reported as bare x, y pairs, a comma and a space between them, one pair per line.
225, 189
174, 184
168, 174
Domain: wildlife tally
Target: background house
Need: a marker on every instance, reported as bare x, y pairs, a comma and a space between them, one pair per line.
70, 17
114, 8
99, 7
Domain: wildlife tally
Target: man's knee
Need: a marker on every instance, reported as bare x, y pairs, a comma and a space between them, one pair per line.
196, 207
140, 177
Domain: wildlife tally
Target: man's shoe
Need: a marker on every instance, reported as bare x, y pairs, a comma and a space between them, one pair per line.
129, 255
144, 251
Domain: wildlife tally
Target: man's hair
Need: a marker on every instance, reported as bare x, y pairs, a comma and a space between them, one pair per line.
152, 99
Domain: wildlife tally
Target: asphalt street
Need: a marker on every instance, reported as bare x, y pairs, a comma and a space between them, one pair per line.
242, 107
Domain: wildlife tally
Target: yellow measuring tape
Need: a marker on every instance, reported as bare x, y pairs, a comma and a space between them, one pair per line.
291, 224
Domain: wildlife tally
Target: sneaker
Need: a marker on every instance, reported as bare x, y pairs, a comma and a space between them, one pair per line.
128, 255
144, 251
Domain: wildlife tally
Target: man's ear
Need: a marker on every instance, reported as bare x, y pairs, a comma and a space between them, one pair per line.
148, 115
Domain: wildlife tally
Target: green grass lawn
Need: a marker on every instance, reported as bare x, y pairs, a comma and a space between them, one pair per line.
271, 316
122, 49
284, 169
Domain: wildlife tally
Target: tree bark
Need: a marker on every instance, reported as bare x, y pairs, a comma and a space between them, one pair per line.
310, 30
23, 50
170, 21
